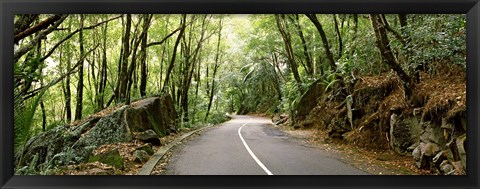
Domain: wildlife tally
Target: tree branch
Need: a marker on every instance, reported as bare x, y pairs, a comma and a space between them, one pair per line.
40, 26
72, 34
71, 71
41, 35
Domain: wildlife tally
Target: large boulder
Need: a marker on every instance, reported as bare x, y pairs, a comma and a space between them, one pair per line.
404, 132
309, 100
156, 113
64, 145
44, 146
110, 129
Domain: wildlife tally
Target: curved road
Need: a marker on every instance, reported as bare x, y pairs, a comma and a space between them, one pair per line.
246, 145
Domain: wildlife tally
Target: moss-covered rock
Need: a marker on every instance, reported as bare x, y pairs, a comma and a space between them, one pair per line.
147, 148
112, 158
148, 136
74, 144
140, 156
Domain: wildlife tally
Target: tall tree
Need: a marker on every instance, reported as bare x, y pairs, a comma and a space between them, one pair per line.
326, 46
174, 53
100, 95
309, 63
282, 28
215, 69
143, 53
133, 64
79, 104
383, 44
339, 36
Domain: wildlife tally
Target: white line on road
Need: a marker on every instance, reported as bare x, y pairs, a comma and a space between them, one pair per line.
250, 151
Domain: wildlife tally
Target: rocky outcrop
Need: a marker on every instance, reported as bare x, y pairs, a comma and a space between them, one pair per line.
111, 157
404, 133
148, 136
430, 125
308, 101
157, 113
65, 145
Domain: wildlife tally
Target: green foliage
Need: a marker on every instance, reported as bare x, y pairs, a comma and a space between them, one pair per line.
253, 74
217, 117
437, 38
24, 113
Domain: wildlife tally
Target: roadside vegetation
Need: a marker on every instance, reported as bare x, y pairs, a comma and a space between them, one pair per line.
389, 82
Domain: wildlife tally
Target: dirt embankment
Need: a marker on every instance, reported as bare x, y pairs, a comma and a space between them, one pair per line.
429, 127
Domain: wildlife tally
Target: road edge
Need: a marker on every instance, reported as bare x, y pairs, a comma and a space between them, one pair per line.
147, 168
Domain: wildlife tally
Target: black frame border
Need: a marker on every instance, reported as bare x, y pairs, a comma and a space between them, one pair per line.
10, 7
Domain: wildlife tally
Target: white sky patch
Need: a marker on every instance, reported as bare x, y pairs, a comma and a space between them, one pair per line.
237, 25
51, 66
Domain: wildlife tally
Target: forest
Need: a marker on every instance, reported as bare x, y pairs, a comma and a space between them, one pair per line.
364, 79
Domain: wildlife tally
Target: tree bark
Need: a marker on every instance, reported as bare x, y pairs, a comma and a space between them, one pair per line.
79, 104
133, 64
123, 77
309, 63
103, 73
384, 47
340, 43
215, 68
23, 23
19, 35
172, 62
326, 46
40, 35
143, 60
288, 47
387, 26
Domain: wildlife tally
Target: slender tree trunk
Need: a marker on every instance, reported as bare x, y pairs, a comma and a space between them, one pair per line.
384, 47
123, 78
340, 43
103, 72
384, 22
172, 61
326, 46
403, 21
309, 63
67, 92
191, 57
79, 106
143, 52
355, 31
215, 68
44, 116
288, 48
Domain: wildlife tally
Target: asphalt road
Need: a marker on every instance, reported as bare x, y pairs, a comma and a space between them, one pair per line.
246, 145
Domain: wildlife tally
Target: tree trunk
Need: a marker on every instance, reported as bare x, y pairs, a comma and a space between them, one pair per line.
355, 31
103, 73
385, 24
172, 61
68, 93
215, 68
340, 43
326, 46
288, 48
309, 63
123, 77
143, 65
133, 64
44, 116
403, 20
79, 106
384, 47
